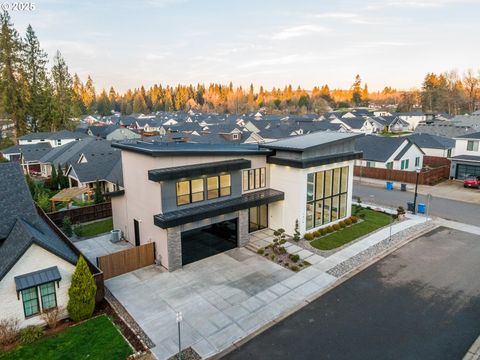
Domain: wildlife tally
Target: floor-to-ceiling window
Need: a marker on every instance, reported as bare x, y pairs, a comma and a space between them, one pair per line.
257, 218
326, 196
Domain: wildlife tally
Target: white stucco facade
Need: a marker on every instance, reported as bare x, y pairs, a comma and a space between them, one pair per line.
35, 258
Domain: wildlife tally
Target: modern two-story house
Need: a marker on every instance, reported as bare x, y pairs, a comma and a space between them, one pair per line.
197, 200
467, 156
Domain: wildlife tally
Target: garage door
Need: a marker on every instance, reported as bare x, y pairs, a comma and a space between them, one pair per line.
210, 240
464, 170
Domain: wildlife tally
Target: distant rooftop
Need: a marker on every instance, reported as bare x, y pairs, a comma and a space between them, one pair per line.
162, 148
301, 143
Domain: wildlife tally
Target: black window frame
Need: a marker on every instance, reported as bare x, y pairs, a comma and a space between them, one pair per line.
254, 176
221, 191
327, 201
39, 311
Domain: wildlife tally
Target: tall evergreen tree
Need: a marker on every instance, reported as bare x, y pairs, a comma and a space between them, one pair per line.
37, 91
89, 96
81, 294
63, 93
103, 104
357, 91
11, 74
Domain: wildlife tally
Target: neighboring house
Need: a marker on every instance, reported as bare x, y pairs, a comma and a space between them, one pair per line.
467, 156
55, 139
444, 128
112, 133
101, 162
414, 118
433, 145
28, 156
397, 153
36, 264
197, 200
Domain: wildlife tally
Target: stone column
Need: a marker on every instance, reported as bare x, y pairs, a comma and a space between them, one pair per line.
243, 236
174, 245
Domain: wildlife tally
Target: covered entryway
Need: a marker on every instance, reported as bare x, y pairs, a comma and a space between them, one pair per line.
209, 240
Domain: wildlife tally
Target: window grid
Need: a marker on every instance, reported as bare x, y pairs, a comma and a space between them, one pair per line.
326, 196
48, 296
216, 186
254, 179
31, 306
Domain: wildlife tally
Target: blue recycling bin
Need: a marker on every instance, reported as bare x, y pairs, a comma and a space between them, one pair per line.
421, 208
389, 185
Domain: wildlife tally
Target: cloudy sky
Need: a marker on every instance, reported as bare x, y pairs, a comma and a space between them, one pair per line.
269, 42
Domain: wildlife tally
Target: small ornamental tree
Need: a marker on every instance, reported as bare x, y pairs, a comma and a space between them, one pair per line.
81, 294
67, 226
296, 233
61, 179
54, 179
98, 196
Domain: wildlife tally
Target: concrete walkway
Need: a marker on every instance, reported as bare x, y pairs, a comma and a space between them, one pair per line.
227, 297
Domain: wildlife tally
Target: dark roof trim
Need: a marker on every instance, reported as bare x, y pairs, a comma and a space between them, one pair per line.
180, 217
36, 278
115, 193
467, 158
192, 150
178, 172
317, 161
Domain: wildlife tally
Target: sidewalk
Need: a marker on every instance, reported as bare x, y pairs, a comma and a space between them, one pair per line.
449, 189
474, 352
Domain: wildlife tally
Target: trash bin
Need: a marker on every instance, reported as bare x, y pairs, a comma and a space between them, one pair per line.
115, 236
410, 207
421, 208
403, 187
389, 185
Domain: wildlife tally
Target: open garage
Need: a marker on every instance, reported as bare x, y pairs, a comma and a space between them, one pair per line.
209, 240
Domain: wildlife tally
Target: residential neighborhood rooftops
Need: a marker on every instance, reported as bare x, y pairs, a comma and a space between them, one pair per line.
56, 135
30, 152
378, 148
432, 141
470, 136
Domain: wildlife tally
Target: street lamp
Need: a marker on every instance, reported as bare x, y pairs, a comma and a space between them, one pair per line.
417, 170
179, 319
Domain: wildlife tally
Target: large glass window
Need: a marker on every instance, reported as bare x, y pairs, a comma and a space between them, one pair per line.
183, 192
30, 301
254, 179
197, 190
47, 294
212, 187
326, 196
225, 185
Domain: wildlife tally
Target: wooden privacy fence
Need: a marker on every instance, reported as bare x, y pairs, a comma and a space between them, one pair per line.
426, 177
124, 261
82, 214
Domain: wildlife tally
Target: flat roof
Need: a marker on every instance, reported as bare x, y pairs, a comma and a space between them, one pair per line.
304, 142
181, 149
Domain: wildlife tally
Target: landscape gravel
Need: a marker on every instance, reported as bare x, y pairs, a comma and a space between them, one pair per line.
378, 248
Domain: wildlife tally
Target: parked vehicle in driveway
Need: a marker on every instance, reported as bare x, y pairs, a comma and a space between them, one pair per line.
472, 181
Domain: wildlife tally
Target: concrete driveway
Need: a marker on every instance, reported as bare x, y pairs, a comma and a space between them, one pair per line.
222, 298
420, 302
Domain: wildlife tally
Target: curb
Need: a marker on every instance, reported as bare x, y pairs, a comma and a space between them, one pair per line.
237, 344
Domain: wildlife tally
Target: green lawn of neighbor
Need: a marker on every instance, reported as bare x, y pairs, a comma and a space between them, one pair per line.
96, 228
373, 220
95, 339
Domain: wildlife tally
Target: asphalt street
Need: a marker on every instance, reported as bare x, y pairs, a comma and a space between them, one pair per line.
420, 302
468, 213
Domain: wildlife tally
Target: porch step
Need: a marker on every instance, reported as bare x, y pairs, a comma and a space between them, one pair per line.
253, 247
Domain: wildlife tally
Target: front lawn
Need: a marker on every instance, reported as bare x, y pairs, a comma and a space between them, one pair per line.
97, 338
93, 229
372, 220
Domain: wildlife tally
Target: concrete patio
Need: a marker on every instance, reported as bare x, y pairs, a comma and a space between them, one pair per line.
99, 246
228, 296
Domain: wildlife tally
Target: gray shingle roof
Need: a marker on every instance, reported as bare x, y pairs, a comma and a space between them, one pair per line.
432, 141
378, 148
470, 136
30, 152
20, 224
36, 278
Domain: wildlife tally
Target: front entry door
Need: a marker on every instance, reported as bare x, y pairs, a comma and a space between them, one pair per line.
257, 218
136, 227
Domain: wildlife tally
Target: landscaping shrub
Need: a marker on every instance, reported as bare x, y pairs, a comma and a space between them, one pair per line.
52, 316
316, 233
294, 257
296, 232
306, 263
354, 219
67, 226
265, 255
8, 331
272, 257
282, 250
260, 251
323, 231
81, 301
329, 229
342, 224
348, 221
30, 334
308, 236
294, 268
336, 227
